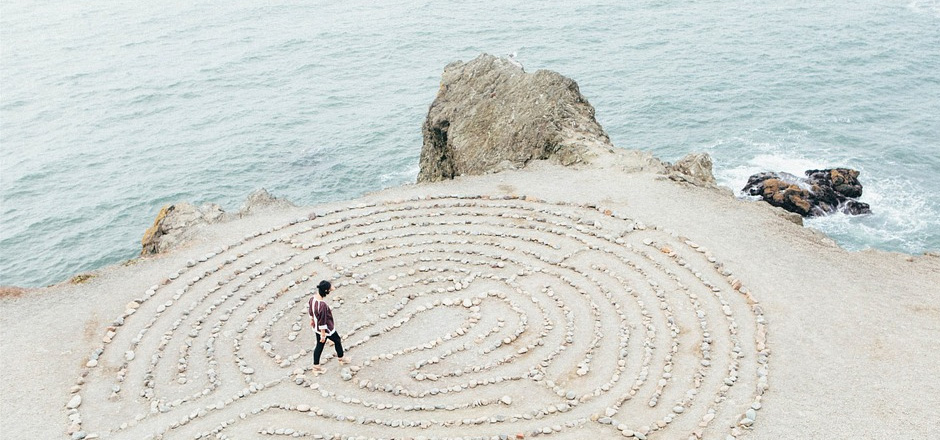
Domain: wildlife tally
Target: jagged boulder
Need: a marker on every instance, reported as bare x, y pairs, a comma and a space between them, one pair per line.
490, 115
822, 192
695, 168
843, 181
260, 200
177, 223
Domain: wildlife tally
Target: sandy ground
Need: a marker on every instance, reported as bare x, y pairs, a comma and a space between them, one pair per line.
580, 310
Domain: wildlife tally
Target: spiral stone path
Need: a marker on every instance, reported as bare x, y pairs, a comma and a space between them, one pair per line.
470, 317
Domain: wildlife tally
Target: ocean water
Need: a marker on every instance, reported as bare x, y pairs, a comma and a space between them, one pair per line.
108, 110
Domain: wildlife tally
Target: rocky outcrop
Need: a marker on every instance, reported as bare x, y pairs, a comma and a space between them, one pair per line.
261, 200
695, 168
843, 182
490, 115
822, 192
177, 223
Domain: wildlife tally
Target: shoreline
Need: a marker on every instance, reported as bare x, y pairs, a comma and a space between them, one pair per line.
18, 290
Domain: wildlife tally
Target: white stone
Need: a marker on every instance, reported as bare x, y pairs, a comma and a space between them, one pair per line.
74, 402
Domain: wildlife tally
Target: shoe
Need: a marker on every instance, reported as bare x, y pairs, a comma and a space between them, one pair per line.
343, 361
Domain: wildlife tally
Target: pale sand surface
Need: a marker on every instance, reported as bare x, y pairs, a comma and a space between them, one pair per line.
853, 337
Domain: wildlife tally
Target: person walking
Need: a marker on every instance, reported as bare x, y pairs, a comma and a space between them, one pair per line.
321, 319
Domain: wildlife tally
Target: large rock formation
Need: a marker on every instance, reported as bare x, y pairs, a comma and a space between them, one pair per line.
490, 115
177, 223
821, 192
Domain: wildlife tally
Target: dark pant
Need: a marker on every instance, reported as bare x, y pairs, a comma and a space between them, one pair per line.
319, 350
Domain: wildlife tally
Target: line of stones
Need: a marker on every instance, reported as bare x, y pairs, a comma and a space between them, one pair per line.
667, 372
362, 253
483, 262
242, 366
747, 419
75, 427
185, 420
269, 347
680, 405
569, 336
252, 386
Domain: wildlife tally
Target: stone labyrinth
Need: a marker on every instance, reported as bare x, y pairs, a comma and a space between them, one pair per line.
465, 317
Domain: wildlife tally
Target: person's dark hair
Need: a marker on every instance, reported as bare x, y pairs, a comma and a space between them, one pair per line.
324, 287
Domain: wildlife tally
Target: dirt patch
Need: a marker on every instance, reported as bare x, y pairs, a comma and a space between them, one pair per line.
81, 278
925, 309
12, 291
91, 329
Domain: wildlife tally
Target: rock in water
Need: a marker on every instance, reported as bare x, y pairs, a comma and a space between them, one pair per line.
843, 181
822, 192
783, 190
490, 115
837, 190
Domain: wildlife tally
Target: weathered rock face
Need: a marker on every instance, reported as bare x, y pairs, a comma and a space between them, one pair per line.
695, 168
490, 115
177, 223
821, 192
843, 181
261, 199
